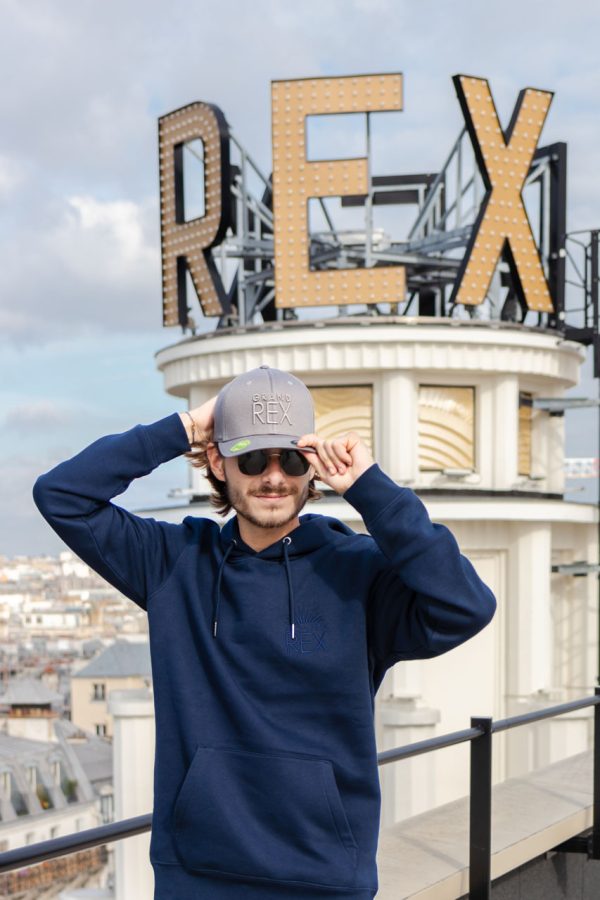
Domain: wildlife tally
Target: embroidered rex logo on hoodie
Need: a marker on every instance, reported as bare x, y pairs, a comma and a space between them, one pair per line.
310, 633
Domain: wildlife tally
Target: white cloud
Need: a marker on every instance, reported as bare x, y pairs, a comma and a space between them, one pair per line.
22, 528
371, 6
40, 414
13, 321
81, 265
11, 175
107, 242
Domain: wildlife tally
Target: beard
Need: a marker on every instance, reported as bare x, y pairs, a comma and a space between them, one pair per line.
266, 518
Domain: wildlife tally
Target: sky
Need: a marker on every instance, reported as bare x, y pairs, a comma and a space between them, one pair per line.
82, 87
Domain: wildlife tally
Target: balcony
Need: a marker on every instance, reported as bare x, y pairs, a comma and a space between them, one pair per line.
454, 851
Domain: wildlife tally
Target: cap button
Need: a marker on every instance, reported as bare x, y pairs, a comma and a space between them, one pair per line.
264, 366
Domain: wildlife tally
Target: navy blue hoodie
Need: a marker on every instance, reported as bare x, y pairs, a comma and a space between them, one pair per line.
265, 779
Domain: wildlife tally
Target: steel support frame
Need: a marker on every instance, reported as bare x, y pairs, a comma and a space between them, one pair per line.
432, 252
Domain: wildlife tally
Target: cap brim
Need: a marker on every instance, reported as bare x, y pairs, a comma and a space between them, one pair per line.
261, 442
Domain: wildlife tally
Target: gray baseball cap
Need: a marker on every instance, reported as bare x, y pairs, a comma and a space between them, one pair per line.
262, 409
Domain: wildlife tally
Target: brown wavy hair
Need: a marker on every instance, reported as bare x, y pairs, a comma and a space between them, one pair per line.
198, 458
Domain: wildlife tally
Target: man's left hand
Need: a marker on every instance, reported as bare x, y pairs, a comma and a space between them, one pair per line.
338, 462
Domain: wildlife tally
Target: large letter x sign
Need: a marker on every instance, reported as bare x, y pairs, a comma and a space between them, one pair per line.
504, 161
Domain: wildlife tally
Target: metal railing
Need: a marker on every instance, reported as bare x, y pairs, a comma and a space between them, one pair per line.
480, 800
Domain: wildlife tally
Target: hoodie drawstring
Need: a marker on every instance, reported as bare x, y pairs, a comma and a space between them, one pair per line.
286, 541
218, 588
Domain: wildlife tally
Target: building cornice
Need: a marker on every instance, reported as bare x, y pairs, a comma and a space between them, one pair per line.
445, 508
357, 346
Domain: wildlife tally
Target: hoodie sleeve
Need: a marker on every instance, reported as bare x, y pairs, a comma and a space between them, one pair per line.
133, 553
426, 597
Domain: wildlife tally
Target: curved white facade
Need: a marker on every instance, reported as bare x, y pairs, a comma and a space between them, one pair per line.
542, 644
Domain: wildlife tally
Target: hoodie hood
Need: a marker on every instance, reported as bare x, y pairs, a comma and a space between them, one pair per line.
312, 532
309, 535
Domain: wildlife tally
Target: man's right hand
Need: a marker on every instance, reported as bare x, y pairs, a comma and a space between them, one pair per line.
204, 420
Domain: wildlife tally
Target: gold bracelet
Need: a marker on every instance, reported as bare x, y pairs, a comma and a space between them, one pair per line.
194, 439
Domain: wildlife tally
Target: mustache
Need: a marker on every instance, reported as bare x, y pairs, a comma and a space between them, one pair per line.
267, 493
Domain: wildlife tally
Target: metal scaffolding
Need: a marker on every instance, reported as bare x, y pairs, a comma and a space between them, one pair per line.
446, 206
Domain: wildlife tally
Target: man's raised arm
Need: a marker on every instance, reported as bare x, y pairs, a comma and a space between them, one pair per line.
426, 597
133, 553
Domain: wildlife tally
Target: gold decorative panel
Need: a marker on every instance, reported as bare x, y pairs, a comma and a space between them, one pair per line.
525, 419
504, 163
446, 427
342, 409
295, 180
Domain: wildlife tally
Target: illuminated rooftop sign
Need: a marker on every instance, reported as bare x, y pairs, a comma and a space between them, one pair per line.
281, 268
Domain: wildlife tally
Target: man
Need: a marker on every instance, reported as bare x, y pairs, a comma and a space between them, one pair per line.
269, 637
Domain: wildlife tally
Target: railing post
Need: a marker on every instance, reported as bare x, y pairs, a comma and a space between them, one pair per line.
480, 818
596, 825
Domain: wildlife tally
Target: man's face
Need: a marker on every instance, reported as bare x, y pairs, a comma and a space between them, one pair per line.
269, 500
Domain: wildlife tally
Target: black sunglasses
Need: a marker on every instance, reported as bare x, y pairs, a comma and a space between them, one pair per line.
255, 462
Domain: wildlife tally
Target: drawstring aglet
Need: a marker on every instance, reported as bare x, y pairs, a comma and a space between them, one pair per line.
215, 628
293, 630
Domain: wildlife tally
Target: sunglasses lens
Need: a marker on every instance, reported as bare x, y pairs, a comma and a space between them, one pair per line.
255, 462
252, 463
293, 463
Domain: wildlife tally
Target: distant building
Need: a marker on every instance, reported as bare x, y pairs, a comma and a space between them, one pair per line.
28, 709
64, 620
95, 755
124, 665
44, 793
71, 565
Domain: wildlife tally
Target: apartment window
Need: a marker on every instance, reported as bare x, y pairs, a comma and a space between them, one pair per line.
99, 692
68, 785
43, 795
446, 428
339, 409
101, 729
18, 801
525, 419
107, 804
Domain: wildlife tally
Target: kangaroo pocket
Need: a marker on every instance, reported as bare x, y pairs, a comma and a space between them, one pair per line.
265, 815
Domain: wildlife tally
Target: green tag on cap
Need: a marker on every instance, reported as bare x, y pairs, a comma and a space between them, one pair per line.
241, 445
